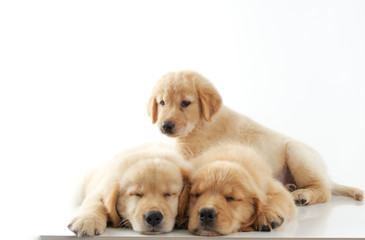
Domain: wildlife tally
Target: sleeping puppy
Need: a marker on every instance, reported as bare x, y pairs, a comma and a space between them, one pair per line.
186, 106
233, 190
142, 188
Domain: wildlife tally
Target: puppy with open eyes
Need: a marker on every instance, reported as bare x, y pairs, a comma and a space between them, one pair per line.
142, 188
187, 107
233, 190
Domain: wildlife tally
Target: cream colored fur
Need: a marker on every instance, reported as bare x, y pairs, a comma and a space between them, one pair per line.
205, 122
150, 177
232, 180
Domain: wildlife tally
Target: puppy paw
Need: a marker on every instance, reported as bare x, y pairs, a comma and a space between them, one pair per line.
268, 220
84, 226
291, 187
301, 197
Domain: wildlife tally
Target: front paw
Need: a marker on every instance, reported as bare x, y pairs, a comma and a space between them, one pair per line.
88, 225
267, 221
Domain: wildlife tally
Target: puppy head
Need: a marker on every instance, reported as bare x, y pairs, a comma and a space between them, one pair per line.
180, 100
148, 198
224, 199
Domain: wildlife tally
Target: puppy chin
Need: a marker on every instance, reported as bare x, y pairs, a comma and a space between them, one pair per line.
172, 135
208, 232
151, 232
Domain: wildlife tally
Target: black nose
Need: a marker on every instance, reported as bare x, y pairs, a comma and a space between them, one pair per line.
168, 127
153, 218
207, 215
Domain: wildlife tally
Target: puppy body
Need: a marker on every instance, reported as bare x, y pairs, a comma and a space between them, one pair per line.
205, 122
235, 188
142, 188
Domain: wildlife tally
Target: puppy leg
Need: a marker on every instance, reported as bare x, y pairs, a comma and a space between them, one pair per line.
278, 208
310, 174
91, 219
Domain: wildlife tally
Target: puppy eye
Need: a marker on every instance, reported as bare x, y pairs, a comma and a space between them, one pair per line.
229, 199
196, 195
166, 195
139, 195
162, 103
184, 104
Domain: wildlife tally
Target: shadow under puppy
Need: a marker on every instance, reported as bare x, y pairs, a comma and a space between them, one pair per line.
143, 188
233, 190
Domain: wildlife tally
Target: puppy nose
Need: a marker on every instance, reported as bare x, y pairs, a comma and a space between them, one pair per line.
168, 127
153, 218
207, 215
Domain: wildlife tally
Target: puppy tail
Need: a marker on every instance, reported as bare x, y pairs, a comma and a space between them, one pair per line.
355, 193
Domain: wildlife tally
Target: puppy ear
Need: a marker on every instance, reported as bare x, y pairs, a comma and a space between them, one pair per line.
110, 203
210, 99
152, 109
248, 227
181, 218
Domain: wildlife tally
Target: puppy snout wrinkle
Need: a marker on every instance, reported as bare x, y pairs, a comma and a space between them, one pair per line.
168, 127
207, 215
153, 218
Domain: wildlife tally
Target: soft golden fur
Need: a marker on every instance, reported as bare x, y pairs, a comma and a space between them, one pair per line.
236, 187
131, 189
192, 104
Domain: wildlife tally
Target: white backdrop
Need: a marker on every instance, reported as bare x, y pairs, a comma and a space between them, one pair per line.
75, 77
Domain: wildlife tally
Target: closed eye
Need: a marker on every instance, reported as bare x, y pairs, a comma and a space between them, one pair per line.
229, 199
196, 195
137, 194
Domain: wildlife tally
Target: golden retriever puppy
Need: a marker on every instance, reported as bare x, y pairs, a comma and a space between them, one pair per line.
187, 106
143, 188
233, 190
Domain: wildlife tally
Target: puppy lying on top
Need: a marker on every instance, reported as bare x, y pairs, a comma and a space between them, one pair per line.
142, 188
233, 190
187, 107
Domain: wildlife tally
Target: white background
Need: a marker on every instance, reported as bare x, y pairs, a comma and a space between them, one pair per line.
75, 77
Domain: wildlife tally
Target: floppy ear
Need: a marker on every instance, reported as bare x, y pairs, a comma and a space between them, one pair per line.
210, 99
110, 202
152, 109
181, 218
247, 227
